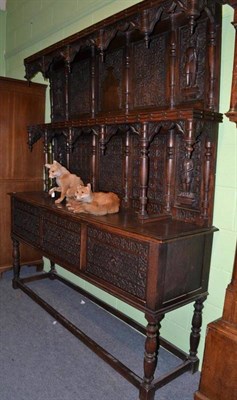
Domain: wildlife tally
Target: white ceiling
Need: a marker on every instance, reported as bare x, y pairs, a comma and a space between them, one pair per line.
3, 5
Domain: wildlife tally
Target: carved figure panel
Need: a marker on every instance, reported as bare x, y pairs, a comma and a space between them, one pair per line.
195, 176
188, 183
193, 67
118, 260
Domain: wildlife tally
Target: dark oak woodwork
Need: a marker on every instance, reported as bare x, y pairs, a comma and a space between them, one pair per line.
21, 104
150, 137
134, 110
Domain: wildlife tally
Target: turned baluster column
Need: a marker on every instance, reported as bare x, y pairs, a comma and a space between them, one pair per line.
69, 146
16, 263
173, 56
144, 143
93, 102
127, 73
207, 171
212, 58
48, 156
195, 331
94, 160
169, 168
127, 169
232, 113
67, 73
147, 390
102, 139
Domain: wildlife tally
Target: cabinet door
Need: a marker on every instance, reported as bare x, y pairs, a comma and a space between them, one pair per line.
20, 169
20, 106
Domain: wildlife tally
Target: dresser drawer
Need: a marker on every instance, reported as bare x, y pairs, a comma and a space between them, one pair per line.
61, 239
118, 260
26, 222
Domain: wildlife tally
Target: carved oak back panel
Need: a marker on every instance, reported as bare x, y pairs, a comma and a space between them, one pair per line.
134, 106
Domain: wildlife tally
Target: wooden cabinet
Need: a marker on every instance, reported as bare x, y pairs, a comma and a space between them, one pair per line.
21, 104
155, 267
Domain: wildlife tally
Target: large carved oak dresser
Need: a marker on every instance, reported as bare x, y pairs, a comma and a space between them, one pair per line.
134, 110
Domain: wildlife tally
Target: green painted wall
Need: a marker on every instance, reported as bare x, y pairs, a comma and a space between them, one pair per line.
3, 15
32, 25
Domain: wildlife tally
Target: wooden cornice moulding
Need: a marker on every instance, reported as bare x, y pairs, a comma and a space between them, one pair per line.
141, 117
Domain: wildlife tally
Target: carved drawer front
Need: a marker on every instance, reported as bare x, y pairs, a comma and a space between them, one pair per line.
118, 260
26, 222
61, 238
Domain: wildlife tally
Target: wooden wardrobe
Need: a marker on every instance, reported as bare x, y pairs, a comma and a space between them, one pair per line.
21, 104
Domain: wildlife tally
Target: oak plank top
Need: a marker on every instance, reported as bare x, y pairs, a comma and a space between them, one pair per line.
165, 229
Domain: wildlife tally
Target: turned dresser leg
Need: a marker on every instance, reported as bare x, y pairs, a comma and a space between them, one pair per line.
195, 332
147, 389
16, 263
